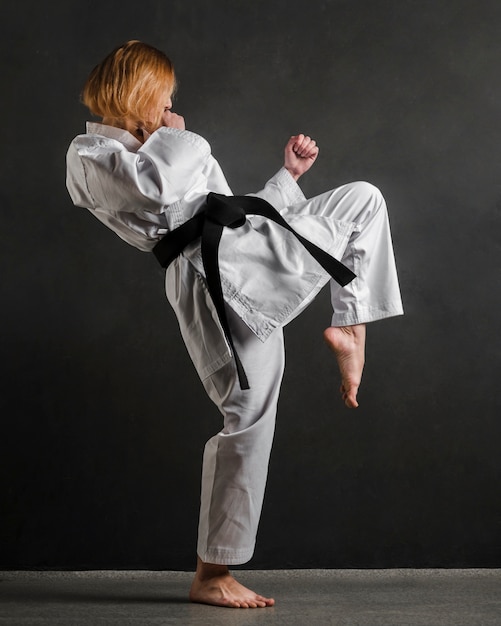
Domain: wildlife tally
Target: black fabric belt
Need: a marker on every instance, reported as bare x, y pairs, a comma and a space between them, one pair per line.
231, 211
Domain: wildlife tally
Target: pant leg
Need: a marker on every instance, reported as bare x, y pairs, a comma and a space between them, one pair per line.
236, 459
235, 463
374, 294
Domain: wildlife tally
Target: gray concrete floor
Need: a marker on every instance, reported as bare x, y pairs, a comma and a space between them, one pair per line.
303, 597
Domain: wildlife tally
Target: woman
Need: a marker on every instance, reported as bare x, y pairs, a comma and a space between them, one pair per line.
144, 176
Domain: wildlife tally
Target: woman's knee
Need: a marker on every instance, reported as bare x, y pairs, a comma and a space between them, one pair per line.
366, 191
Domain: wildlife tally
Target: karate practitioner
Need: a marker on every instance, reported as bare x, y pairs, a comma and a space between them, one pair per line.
144, 176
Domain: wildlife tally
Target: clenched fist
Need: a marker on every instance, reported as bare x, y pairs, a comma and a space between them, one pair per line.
301, 152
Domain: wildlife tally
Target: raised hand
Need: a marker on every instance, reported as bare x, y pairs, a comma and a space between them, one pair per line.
301, 152
173, 120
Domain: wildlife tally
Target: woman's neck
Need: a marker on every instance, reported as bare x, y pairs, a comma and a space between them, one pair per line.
125, 124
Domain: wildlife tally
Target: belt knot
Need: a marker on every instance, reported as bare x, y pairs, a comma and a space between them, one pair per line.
220, 211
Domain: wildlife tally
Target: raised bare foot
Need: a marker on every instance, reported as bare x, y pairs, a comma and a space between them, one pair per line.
348, 344
213, 584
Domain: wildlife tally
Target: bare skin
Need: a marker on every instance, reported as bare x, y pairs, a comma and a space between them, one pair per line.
348, 344
213, 584
300, 153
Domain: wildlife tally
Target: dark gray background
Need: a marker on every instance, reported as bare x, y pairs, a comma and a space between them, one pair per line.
103, 417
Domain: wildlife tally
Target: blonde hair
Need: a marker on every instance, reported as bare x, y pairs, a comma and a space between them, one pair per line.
129, 85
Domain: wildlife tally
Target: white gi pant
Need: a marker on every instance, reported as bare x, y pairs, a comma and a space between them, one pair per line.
236, 459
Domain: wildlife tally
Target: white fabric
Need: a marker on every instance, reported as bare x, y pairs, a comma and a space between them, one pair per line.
235, 463
141, 192
236, 459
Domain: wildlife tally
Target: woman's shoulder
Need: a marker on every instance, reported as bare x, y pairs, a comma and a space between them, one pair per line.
91, 142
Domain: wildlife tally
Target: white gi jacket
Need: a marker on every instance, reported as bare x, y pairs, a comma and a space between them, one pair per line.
142, 191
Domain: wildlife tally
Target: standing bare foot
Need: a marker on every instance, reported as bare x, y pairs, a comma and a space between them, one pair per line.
348, 344
213, 584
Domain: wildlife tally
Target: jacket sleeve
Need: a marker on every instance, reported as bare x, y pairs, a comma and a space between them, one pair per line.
281, 190
157, 175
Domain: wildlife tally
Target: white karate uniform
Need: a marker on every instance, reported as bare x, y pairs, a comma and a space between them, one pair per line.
142, 191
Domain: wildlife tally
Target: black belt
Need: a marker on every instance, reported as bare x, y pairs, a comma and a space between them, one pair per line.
231, 211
